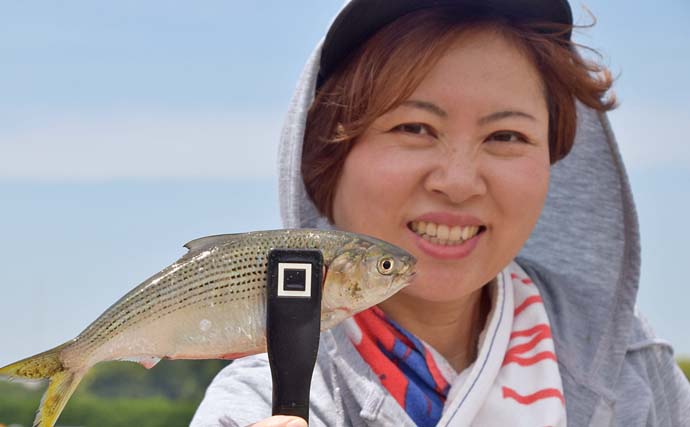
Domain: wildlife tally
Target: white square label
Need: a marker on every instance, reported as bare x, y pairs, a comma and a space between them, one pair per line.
294, 280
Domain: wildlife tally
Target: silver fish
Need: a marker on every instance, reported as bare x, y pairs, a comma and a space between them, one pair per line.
210, 304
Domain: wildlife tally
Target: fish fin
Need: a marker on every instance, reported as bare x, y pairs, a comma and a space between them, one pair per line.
147, 362
204, 242
61, 387
63, 382
232, 356
38, 367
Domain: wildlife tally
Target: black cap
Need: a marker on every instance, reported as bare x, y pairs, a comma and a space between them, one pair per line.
360, 19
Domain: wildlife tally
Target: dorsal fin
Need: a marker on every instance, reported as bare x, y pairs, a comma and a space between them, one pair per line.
204, 242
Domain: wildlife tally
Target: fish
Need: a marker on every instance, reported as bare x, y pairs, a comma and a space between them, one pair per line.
211, 304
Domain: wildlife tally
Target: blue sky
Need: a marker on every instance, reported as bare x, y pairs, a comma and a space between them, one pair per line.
128, 128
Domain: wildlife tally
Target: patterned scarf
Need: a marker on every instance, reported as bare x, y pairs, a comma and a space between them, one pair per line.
405, 366
514, 381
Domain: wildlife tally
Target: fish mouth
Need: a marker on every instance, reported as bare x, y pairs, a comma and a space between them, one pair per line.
408, 268
405, 275
400, 282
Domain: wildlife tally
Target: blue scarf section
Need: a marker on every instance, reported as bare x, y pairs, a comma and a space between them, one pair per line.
404, 365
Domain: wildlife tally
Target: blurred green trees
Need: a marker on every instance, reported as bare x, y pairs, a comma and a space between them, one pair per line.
117, 394
684, 364
173, 380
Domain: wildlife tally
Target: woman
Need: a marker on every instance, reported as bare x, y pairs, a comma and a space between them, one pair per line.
447, 128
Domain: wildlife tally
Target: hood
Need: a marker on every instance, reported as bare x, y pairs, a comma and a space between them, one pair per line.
587, 234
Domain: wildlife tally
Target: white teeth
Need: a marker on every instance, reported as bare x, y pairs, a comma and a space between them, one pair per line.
442, 232
431, 229
455, 233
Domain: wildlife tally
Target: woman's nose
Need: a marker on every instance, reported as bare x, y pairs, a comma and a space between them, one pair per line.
457, 176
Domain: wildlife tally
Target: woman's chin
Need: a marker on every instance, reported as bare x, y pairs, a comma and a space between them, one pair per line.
439, 286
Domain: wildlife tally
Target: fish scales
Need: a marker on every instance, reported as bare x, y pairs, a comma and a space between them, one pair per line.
247, 262
212, 303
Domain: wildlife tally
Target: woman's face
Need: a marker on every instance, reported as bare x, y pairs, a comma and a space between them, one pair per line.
458, 174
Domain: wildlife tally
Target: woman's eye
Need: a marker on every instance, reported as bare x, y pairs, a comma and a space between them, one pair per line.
508, 136
414, 128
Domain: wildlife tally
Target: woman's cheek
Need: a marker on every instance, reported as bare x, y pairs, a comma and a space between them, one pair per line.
524, 187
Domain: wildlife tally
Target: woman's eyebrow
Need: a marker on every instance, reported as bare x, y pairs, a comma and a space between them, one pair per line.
438, 111
426, 106
499, 115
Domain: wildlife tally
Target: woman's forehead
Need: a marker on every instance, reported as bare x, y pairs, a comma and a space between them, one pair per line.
483, 71
483, 57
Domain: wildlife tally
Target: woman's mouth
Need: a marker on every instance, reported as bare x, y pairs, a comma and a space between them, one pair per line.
443, 234
444, 241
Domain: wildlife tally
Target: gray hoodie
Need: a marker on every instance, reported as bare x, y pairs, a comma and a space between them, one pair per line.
584, 255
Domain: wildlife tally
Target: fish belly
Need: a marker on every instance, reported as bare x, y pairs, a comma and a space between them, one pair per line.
211, 330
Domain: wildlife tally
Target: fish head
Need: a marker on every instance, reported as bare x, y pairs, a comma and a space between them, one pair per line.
363, 273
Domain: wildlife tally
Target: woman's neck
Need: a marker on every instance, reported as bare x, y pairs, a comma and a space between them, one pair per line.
451, 327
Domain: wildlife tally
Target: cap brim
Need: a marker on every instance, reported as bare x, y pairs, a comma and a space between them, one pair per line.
360, 19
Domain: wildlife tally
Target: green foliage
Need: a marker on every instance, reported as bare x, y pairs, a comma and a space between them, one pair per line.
150, 412
176, 380
117, 394
684, 364
98, 412
18, 403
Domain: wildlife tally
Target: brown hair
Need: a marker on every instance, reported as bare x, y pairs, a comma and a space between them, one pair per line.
388, 67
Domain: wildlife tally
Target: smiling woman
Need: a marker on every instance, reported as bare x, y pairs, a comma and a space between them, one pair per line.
475, 137
388, 68
463, 158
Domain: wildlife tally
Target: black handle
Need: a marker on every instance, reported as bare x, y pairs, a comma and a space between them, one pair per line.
293, 322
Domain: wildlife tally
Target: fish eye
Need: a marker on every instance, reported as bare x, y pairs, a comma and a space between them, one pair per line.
385, 266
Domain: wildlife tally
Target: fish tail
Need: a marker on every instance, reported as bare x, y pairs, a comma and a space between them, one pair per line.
63, 382
62, 385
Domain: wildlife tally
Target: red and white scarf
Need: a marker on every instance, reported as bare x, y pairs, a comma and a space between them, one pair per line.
515, 379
